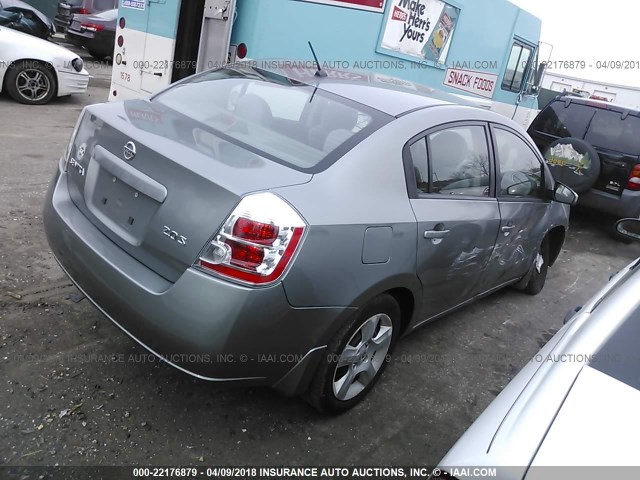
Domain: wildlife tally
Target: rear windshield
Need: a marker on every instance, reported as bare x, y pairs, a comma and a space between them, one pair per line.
561, 121
279, 118
608, 130
600, 127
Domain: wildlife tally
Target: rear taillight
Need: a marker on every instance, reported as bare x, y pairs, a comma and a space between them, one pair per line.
633, 183
241, 51
92, 27
64, 160
257, 242
83, 11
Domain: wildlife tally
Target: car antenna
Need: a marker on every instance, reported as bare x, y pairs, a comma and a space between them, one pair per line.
319, 72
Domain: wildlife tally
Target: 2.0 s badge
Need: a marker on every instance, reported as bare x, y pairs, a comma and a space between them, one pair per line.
175, 236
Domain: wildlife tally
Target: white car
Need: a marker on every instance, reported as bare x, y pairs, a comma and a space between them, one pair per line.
33, 71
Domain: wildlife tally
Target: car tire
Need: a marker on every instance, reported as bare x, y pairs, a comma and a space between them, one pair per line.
539, 275
613, 232
560, 157
354, 359
98, 56
31, 82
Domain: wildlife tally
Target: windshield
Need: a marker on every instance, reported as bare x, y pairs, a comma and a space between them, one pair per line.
279, 118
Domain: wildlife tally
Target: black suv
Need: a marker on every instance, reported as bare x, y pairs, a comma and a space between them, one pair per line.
593, 147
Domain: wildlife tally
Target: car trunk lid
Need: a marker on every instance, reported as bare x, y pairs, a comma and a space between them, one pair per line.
157, 185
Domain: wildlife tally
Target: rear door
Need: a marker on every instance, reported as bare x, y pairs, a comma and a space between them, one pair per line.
450, 172
520, 189
215, 35
155, 72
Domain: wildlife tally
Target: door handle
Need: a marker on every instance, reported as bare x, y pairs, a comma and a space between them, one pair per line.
435, 233
507, 228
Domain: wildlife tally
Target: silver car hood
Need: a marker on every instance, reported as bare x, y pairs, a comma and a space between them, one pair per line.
598, 424
512, 429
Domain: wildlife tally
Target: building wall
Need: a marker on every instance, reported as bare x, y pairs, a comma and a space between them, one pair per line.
619, 94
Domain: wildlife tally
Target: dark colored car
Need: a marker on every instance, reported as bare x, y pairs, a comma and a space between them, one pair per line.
68, 8
23, 17
96, 33
593, 147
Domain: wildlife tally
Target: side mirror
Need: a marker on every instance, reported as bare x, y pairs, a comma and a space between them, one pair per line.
542, 66
629, 227
563, 194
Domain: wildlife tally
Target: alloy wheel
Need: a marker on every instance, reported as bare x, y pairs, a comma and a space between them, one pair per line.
362, 357
32, 84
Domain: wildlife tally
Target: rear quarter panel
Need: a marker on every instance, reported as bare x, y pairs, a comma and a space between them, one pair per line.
365, 188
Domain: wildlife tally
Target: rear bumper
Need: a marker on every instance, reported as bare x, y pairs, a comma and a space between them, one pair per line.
70, 83
623, 206
209, 328
76, 38
101, 42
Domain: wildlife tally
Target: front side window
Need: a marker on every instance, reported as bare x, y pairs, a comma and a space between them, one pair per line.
517, 67
459, 161
520, 169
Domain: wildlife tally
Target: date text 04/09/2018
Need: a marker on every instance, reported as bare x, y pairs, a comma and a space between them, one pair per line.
598, 65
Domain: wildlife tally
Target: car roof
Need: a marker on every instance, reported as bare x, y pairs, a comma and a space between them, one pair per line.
592, 102
400, 96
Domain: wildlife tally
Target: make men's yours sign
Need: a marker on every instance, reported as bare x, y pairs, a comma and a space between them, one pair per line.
420, 28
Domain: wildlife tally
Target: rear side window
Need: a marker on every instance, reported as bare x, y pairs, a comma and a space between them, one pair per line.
420, 164
561, 121
279, 118
607, 130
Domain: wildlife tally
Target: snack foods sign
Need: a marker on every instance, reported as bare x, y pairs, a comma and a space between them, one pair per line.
480, 83
419, 28
372, 5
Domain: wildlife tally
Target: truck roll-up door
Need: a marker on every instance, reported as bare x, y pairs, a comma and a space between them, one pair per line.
215, 36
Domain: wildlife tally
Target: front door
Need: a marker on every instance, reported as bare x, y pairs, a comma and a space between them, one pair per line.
523, 205
457, 213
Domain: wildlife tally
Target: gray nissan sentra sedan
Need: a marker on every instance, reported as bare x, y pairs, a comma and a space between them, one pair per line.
257, 227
